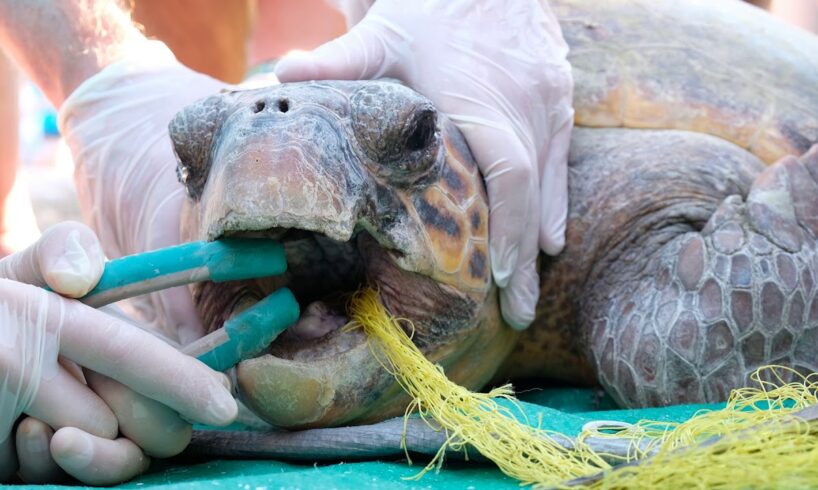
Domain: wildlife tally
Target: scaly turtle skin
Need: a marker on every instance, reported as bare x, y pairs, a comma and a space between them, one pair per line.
687, 263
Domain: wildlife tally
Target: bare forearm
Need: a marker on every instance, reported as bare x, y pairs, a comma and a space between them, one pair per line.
60, 43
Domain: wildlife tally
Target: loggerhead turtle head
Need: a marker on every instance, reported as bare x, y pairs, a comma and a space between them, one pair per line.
365, 184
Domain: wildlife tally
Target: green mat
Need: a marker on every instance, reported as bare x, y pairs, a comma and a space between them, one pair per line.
564, 410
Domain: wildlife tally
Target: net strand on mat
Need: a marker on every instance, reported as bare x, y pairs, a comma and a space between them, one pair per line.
755, 441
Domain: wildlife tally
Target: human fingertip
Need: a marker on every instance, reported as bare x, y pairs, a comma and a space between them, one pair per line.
33, 436
503, 260
224, 380
552, 225
553, 243
29, 427
226, 411
174, 440
97, 461
105, 425
517, 316
518, 301
295, 67
222, 408
76, 268
72, 449
36, 463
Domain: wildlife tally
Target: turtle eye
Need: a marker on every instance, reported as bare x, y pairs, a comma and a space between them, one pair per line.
192, 132
397, 129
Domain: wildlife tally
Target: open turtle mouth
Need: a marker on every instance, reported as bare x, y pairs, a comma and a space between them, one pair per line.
318, 373
323, 274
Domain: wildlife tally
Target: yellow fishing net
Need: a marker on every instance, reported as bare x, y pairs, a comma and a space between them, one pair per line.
759, 440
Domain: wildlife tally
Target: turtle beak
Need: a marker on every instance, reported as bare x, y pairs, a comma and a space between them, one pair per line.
267, 171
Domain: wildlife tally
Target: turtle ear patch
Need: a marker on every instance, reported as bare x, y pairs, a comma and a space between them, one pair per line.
192, 132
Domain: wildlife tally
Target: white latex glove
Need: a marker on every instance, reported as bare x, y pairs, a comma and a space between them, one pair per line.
498, 68
44, 337
116, 124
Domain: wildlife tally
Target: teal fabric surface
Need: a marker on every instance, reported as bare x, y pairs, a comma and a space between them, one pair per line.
561, 409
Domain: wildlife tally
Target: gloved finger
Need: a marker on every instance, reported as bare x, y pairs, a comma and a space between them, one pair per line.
72, 368
63, 401
8, 457
67, 258
94, 460
116, 124
508, 172
118, 349
554, 191
112, 347
33, 439
155, 428
352, 10
518, 300
359, 54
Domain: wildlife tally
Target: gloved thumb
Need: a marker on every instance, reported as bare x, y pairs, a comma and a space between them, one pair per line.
95, 460
360, 54
67, 258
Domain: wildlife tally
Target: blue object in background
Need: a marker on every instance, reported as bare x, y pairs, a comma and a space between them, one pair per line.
50, 126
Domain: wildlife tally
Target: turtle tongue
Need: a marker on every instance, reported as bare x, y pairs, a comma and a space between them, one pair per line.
317, 320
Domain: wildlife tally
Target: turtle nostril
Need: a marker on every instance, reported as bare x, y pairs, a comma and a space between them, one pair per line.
283, 105
260, 105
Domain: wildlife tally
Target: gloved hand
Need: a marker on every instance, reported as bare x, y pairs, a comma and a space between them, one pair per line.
116, 124
45, 337
498, 68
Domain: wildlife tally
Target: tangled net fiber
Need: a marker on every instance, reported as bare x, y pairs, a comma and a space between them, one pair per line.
762, 438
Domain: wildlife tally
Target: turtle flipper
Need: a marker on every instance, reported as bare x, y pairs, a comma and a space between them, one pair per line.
720, 302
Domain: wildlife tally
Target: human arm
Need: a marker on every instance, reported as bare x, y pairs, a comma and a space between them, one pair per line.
61, 43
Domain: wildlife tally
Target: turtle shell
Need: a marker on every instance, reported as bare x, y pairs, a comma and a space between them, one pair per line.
726, 69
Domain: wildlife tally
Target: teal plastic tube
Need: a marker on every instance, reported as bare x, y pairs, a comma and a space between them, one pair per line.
252, 330
230, 259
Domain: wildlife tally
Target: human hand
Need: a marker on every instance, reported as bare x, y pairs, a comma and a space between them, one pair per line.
116, 124
137, 384
499, 70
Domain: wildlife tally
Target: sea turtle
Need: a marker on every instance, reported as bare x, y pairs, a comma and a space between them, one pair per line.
688, 262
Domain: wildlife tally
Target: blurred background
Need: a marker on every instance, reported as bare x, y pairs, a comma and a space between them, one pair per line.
36, 171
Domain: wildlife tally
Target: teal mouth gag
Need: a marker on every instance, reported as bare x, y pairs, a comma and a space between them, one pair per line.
230, 259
